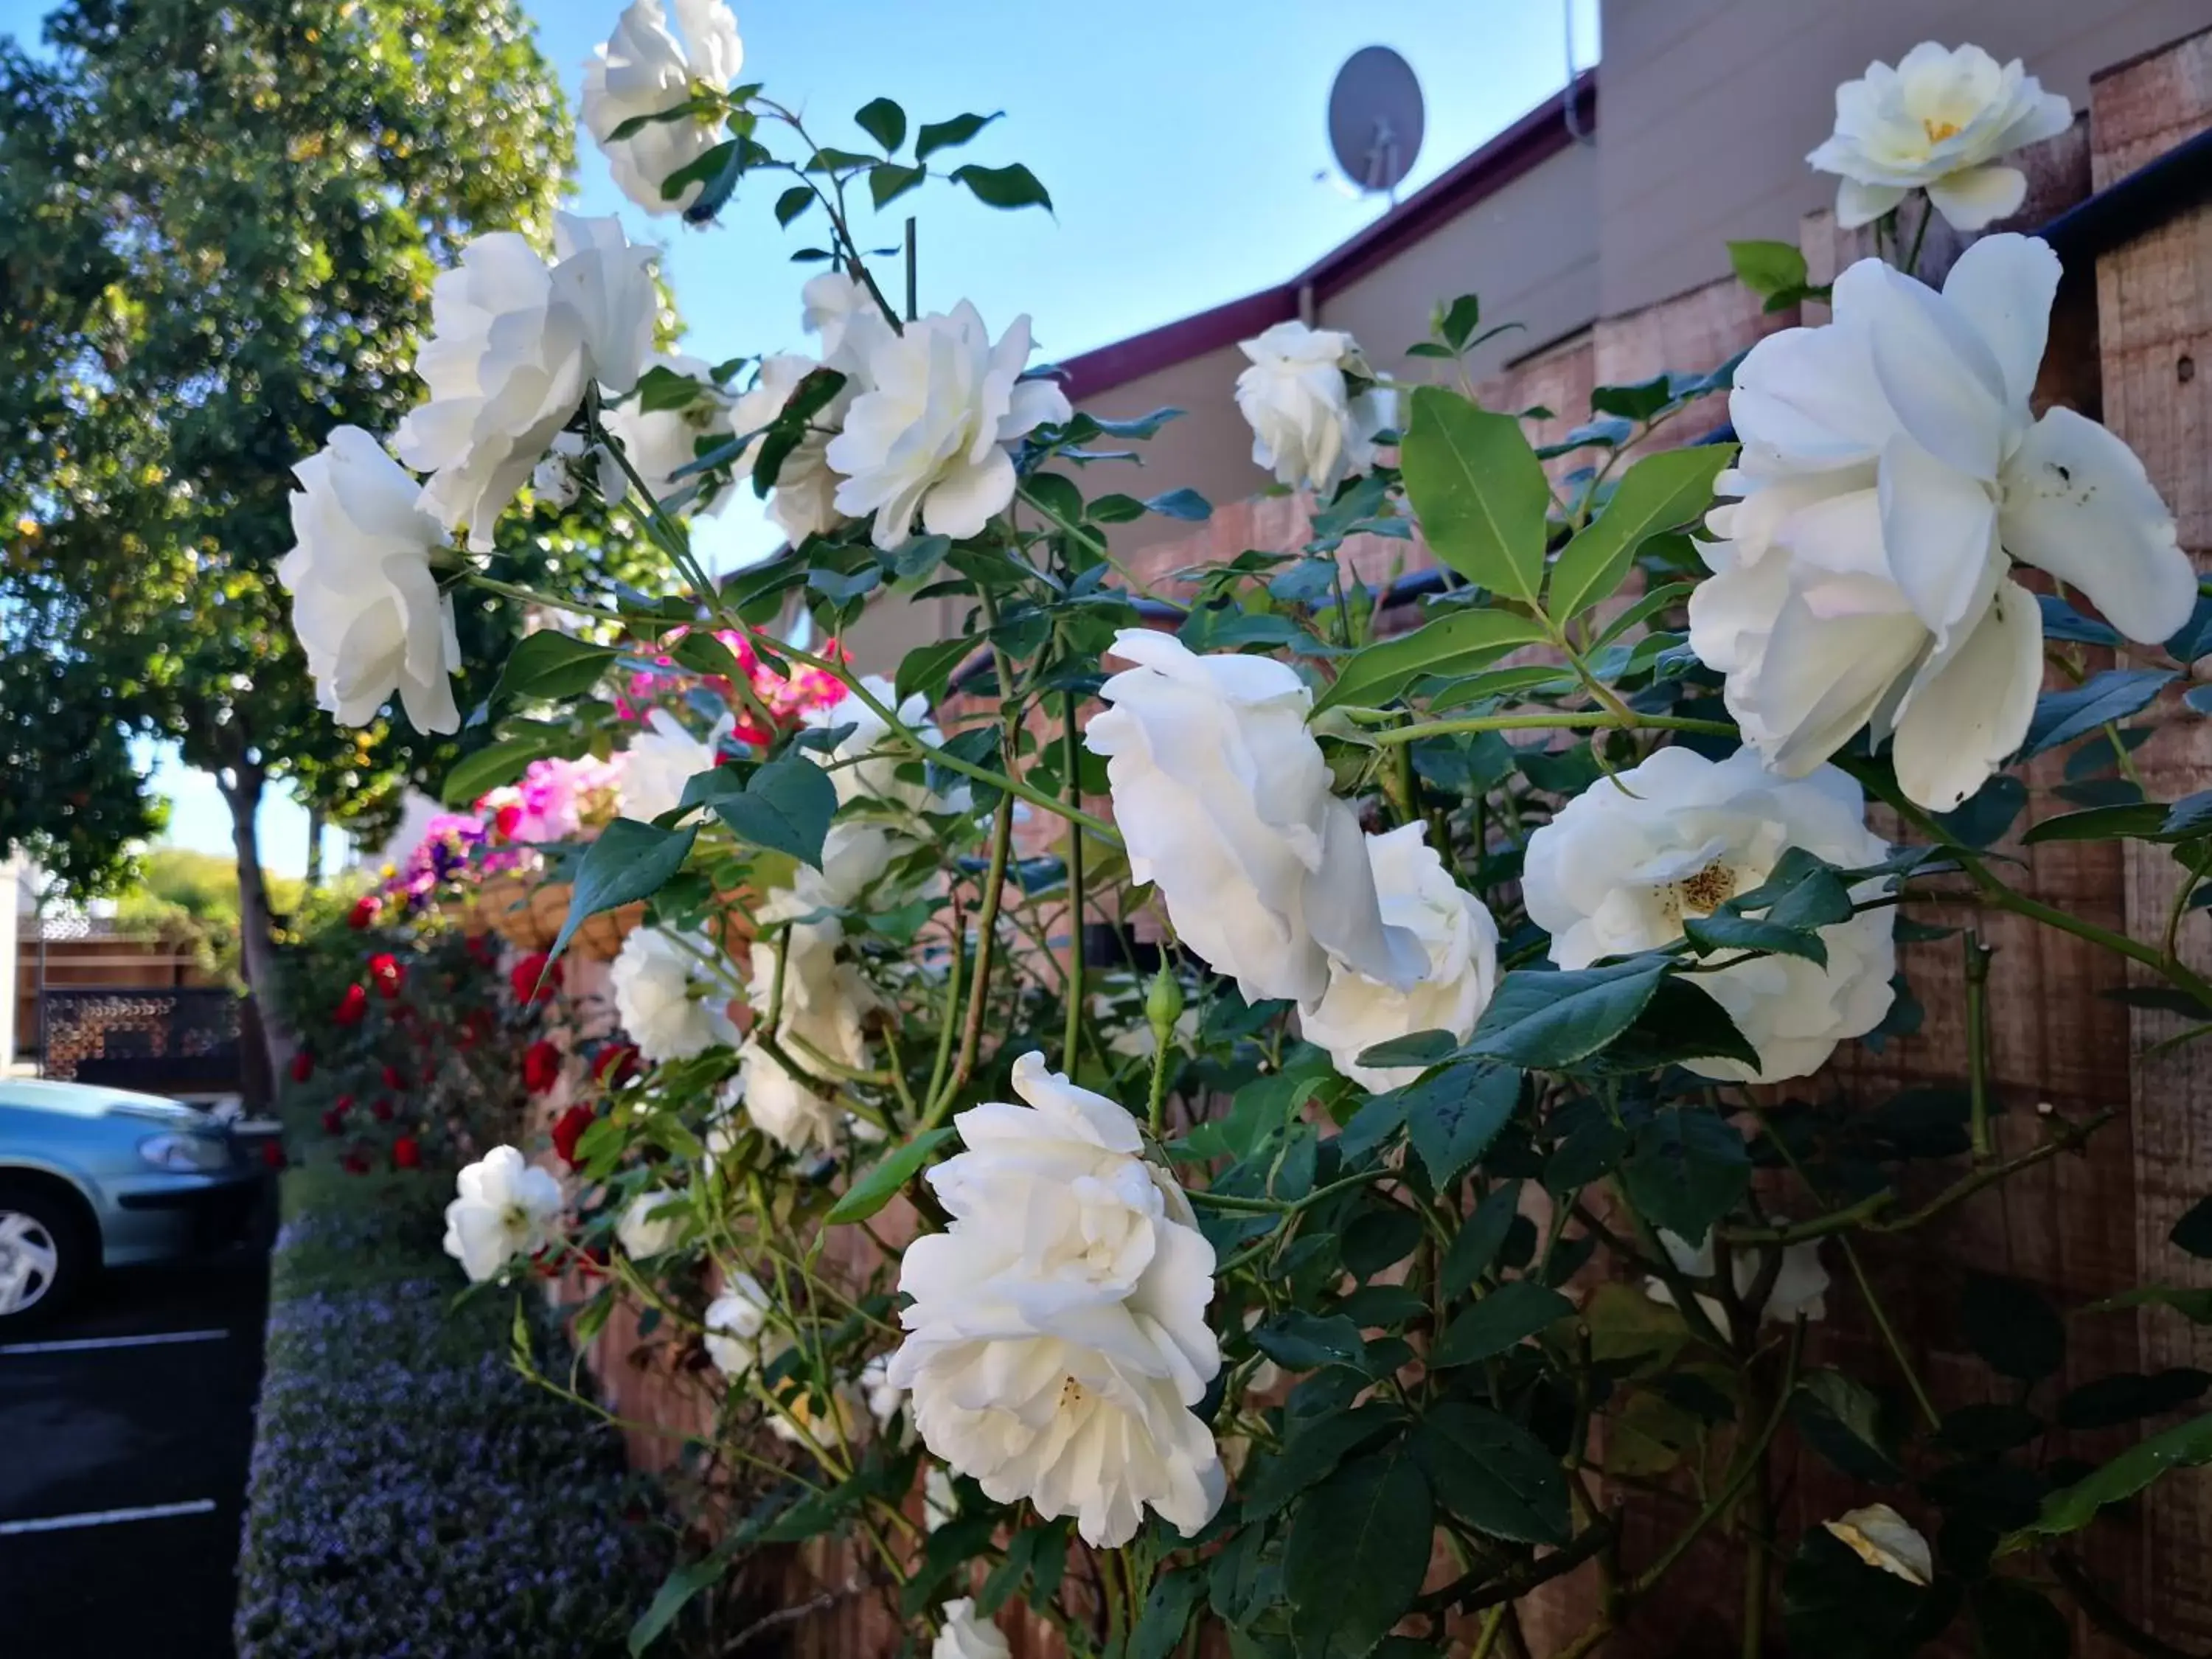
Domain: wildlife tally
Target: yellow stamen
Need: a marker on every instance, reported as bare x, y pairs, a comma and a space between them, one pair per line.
1937, 131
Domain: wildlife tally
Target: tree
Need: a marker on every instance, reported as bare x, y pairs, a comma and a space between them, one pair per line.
218, 229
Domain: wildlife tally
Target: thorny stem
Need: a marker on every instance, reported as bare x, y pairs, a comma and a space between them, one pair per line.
1072, 765
1977, 957
986, 933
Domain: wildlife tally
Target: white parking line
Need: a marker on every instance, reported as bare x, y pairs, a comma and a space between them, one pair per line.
82, 1343
107, 1517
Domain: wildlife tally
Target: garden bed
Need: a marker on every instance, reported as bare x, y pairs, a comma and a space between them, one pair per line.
410, 1493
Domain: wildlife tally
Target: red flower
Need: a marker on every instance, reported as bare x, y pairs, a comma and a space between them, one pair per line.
355, 1162
480, 950
352, 1007
363, 913
525, 977
407, 1153
334, 1121
272, 1154
345, 1102
614, 1064
384, 969
394, 1079
568, 1129
303, 1065
541, 1066
380, 1109
507, 820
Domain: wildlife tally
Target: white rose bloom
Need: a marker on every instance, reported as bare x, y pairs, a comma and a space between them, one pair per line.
928, 439
865, 764
558, 480
1223, 799
1622, 864
939, 1503
659, 442
826, 1003
965, 1636
1057, 1339
1890, 465
514, 344
1461, 939
884, 1398
507, 1207
734, 1322
1937, 122
1882, 1538
1307, 427
650, 1224
804, 500
1801, 1287
667, 998
365, 603
662, 757
849, 321
644, 68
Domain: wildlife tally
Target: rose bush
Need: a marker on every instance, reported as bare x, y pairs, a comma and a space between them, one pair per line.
1340, 1275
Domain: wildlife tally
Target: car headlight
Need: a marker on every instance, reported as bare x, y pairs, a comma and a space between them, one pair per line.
190, 1152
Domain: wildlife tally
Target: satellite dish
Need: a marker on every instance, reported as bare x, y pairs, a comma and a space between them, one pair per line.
1375, 119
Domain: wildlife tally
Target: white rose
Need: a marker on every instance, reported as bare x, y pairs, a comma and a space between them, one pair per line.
939, 1503
1460, 939
1937, 122
507, 1208
882, 1396
1882, 1538
804, 500
963, 1636
826, 1003
1890, 464
643, 69
1223, 801
1800, 1285
662, 442
365, 603
734, 1322
667, 997
1056, 1338
847, 317
513, 343
1623, 863
650, 1224
866, 762
929, 437
662, 757
1307, 428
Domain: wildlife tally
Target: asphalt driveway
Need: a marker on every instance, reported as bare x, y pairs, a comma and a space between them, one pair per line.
125, 1432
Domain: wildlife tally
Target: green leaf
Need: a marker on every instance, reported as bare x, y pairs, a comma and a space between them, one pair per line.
1460, 320
661, 388
1842, 1419
493, 764
928, 669
2014, 1329
947, 135
883, 121
1175, 1597
1422, 1049
1475, 1246
1014, 186
1510, 1314
1686, 1168
2135, 820
1492, 1474
1187, 505
1542, 1021
1316, 1445
885, 1177
1680, 1023
630, 861
1358, 1549
2193, 1302
888, 181
1673, 487
2185, 1446
2106, 1401
1452, 1117
553, 666
793, 202
785, 805
1722, 931
1308, 1341
1116, 509
1658, 599
1456, 643
682, 1583
1479, 491
2062, 716
1768, 268
2193, 1232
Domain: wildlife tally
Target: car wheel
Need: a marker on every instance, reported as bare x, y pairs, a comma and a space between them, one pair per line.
43, 1255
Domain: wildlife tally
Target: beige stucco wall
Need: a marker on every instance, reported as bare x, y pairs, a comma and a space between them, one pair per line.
1708, 107
1209, 449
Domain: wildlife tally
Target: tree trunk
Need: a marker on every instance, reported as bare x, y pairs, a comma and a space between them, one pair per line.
241, 785
314, 849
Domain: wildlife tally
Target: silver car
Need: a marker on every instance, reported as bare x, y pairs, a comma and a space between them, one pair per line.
93, 1178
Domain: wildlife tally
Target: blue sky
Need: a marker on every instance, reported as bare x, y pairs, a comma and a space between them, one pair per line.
1183, 143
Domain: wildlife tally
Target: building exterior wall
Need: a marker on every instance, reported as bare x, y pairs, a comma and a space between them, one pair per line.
1710, 106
